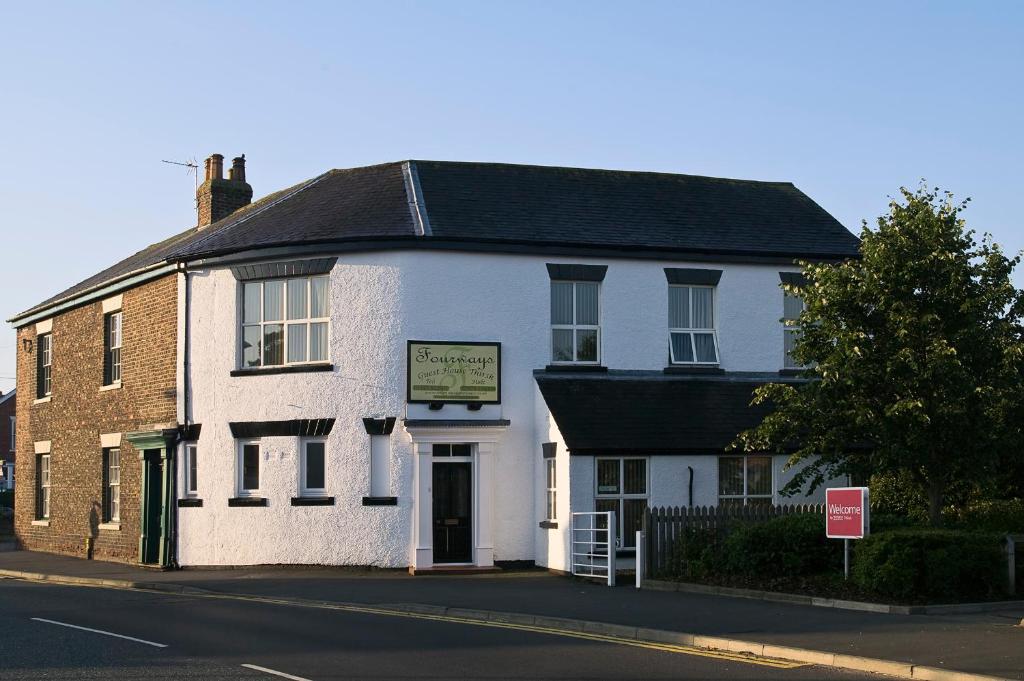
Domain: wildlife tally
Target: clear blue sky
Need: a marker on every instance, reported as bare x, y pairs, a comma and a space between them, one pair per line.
846, 100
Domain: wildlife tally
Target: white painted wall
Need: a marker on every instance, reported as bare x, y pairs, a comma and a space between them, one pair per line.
378, 302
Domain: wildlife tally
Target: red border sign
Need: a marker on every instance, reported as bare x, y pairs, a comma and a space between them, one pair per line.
847, 513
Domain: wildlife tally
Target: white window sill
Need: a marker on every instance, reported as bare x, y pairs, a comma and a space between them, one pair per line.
112, 386
110, 526
42, 400
41, 523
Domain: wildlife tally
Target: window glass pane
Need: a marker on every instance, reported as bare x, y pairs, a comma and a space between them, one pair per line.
297, 342
792, 306
251, 346
703, 308
298, 290
273, 301
273, 344
561, 345
442, 450
550, 469
679, 307
315, 465
759, 501
586, 345
318, 342
561, 302
759, 475
586, 303
704, 345
115, 330
607, 476
682, 351
462, 450
632, 521
251, 303
319, 299
789, 342
251, 467
193, 470
635, 475
730, 475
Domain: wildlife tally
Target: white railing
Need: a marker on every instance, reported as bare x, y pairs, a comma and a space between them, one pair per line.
593, 545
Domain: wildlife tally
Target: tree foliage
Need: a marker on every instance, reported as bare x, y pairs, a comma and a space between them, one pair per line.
914, 351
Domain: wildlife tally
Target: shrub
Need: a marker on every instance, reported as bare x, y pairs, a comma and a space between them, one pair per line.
790, 546
925, 565
7, 498
1000, 515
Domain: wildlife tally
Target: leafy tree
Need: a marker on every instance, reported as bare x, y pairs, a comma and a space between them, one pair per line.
914, 350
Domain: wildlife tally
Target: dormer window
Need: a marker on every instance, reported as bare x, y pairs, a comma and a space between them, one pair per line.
285, 321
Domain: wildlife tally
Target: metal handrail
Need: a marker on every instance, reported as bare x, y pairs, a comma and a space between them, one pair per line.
597, 558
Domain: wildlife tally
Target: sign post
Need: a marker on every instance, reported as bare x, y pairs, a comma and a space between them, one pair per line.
847, 516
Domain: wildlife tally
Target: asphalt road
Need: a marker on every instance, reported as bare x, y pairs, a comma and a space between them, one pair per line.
193, 637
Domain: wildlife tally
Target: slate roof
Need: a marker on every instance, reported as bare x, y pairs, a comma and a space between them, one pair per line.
651, 412
492, 206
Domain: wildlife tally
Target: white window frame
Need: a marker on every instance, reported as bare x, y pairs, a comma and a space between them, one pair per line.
43, 486
240, 468
113, 321
621, 495
790, 330
112, 513
304, 490
574, 327
746, 496
284, 322
47, 363
191, 452
691, 330
551, 489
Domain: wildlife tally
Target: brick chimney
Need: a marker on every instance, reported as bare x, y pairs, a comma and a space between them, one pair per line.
216, 197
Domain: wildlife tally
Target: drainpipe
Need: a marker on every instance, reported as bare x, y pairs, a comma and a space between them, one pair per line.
690, 497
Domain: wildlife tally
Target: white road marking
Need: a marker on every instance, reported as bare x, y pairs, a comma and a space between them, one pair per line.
100, 631
275, 672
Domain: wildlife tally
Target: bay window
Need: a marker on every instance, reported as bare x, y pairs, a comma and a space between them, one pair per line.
285, 321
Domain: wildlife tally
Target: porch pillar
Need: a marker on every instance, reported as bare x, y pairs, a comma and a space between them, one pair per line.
423, 506
484, 500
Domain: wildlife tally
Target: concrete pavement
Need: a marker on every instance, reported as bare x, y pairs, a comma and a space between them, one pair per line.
987, 643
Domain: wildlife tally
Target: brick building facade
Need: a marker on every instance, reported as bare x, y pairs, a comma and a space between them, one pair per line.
80, 409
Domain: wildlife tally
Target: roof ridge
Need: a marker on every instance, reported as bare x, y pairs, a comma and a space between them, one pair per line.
620, 171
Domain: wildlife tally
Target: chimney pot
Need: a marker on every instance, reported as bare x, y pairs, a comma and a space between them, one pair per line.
237, 170
216, 167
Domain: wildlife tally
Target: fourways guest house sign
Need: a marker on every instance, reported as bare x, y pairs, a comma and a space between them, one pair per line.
446, 371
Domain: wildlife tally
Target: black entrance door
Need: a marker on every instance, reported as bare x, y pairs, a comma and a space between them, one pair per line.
453, 533
152, 499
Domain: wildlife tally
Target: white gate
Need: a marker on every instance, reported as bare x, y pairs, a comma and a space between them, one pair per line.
593, 545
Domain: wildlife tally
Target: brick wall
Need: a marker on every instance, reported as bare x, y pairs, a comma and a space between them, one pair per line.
78, 412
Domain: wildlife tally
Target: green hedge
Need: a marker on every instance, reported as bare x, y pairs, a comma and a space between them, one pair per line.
7, 498
930, 565
1002, 515
790, 546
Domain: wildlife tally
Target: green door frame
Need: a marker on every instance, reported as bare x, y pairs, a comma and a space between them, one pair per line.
156, 550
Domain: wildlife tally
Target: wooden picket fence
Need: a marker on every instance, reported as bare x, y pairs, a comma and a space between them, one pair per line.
665, 526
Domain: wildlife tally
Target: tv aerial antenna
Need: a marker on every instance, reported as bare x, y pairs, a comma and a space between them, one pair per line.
191, 166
